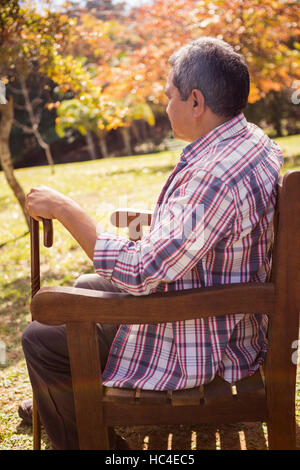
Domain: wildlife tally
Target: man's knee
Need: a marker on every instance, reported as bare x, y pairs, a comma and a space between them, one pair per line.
87, 281
96, 282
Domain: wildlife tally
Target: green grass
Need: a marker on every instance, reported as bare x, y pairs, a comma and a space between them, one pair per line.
99, 186
291, 149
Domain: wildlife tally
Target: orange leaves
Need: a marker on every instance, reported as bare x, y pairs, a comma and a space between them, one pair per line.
31, 39
126, 61
134, 56
254, 94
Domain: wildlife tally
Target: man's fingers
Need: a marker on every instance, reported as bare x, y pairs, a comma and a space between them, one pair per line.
27, 207
41, 201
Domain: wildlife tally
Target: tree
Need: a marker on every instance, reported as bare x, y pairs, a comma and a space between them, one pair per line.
131, 57
102, 9
265, 32
71, 114
136, 110
6, 122
28, 43
9, 26
34, 116
31, 43
90, 113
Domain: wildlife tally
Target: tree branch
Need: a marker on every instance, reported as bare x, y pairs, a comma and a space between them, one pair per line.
24, 128
22, 107
36, 101
38, 116
14, 90
28, 104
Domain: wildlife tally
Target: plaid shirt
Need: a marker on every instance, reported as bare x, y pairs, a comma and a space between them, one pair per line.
212, 225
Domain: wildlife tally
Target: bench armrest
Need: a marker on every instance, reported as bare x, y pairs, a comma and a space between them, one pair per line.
60, 305
134, 219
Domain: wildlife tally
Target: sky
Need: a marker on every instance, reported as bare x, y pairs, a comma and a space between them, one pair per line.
130, 3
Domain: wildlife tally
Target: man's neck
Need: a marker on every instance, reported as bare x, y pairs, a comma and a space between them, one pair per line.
208, 124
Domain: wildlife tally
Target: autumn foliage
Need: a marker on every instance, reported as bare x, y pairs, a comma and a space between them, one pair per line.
266, 32
130, 58
114, 66
100, 68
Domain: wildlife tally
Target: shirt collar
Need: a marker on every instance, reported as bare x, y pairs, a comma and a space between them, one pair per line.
228, 129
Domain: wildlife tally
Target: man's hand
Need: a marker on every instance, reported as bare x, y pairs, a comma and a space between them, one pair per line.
46, 203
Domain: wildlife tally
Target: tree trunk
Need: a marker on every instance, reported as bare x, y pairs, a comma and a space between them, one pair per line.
276, 108
125, 131
145, 129
90, 143
35, 123
46, 147
102, 143
7, 116
136, 131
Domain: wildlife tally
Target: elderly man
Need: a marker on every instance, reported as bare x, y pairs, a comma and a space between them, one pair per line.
212, 225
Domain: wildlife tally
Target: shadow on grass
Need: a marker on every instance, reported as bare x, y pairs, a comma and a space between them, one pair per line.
14, 239
248, 436
27, 430
238, 436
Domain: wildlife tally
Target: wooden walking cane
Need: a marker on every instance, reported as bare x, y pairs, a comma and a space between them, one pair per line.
35, 286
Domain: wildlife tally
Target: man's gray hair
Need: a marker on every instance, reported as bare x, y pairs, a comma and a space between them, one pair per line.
217, 70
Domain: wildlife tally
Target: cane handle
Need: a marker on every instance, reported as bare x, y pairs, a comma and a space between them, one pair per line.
48, 232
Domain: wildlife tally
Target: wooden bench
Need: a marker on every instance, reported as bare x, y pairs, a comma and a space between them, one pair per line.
267, 396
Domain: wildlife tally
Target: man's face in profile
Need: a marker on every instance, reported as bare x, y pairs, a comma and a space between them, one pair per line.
179, 111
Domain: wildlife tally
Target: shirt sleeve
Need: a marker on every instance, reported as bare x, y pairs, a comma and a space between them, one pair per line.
196, 216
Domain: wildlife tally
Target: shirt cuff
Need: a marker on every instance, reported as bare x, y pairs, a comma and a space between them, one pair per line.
107, 249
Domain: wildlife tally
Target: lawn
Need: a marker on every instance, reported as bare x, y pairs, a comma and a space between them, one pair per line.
99, 186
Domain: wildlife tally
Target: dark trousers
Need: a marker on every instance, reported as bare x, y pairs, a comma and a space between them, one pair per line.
47, 358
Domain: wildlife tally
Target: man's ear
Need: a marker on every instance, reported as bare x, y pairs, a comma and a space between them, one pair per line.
198, 101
